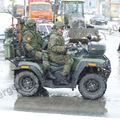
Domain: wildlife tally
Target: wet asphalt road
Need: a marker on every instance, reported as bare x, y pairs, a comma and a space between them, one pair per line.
66, 101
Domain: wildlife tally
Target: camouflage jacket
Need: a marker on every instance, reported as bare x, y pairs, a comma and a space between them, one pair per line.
56, 44
32, 40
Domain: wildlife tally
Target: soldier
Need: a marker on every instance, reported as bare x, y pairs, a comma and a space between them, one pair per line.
20, 29
33, 44
119, 43
118, 48
57, 50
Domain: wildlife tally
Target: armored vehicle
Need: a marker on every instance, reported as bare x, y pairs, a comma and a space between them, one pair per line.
90, 71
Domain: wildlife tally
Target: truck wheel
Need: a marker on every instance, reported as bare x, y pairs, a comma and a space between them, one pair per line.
92, 86
26, 83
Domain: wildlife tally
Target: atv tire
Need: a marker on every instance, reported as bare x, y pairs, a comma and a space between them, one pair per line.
26, 83
92, 86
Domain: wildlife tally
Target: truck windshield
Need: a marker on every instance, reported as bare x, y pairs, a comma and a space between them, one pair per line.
73, 7
40, 7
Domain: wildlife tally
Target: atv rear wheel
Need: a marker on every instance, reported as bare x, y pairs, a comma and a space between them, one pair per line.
92, 86
26, 83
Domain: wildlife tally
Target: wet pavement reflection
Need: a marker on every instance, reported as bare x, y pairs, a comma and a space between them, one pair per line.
62, 105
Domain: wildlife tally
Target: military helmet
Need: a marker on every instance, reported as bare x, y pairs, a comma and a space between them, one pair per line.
58, 25
21, 21
31, 23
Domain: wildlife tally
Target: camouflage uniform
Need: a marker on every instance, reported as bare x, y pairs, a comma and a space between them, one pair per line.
34, 42
57, 50
18, 34
20, 29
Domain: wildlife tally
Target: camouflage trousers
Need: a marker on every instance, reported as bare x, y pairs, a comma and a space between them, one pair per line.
44, 57
65, 60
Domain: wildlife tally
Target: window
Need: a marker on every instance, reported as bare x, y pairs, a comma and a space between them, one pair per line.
40, 7
73, 7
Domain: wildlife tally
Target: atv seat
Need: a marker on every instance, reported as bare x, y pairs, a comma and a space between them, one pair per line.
56, 64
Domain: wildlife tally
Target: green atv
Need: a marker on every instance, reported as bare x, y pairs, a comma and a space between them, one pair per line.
89, 72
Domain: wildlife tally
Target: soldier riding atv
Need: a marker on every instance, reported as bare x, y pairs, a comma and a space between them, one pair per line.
90, 71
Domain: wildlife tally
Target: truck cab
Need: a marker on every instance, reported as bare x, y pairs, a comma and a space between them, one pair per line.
40, 10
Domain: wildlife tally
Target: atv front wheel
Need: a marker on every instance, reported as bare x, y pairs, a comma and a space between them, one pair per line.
26, 83
92, 86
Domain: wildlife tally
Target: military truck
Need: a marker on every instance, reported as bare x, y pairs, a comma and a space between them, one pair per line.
90, 71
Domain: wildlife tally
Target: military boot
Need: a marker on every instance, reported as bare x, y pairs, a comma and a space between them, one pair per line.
64, 75
51, 76
63, 80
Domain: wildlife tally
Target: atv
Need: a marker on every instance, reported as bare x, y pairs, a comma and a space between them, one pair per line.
90, 71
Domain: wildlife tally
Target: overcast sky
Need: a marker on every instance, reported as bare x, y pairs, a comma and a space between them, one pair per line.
20, 1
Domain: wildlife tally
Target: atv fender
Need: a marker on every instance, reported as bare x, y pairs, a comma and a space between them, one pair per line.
31, 66
79, 69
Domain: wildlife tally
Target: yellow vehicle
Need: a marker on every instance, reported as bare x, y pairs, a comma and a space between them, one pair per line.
70, 11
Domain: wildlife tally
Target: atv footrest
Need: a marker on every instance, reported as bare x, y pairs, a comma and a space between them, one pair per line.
49, 83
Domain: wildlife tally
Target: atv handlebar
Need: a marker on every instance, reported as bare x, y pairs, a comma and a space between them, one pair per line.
76, 49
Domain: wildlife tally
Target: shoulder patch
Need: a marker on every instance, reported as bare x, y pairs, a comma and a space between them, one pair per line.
28, 37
